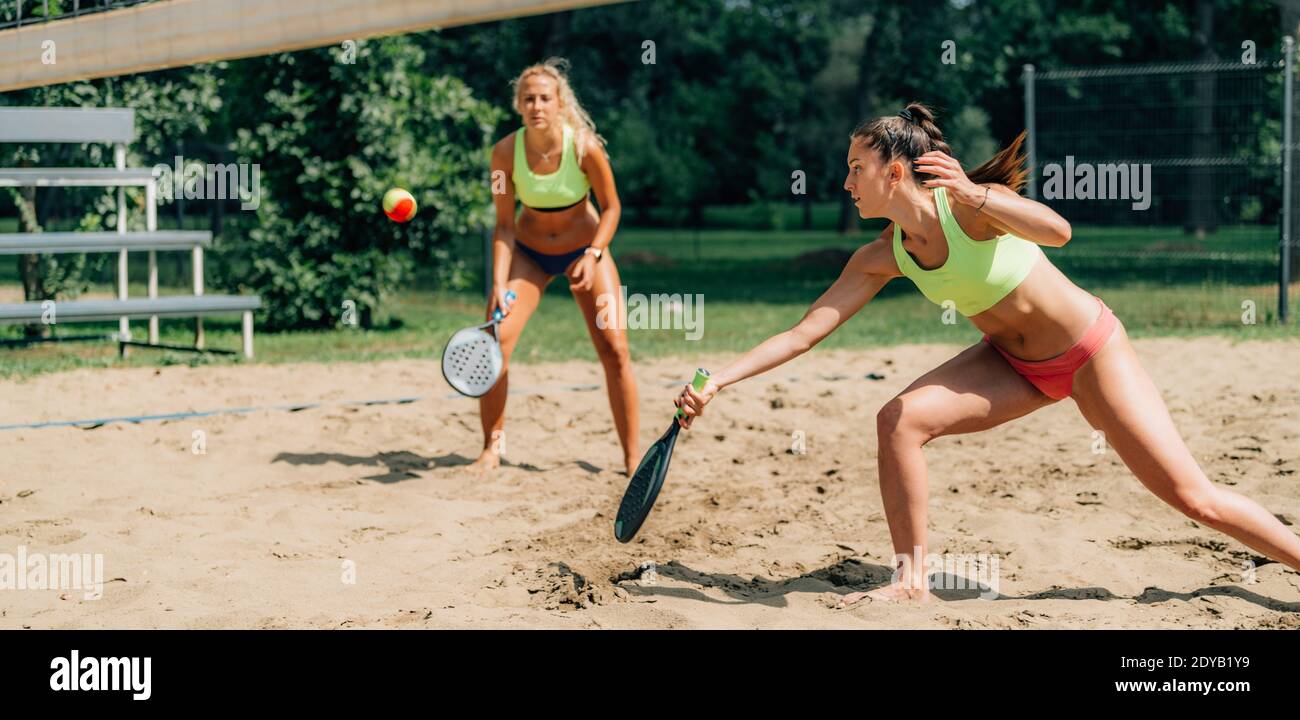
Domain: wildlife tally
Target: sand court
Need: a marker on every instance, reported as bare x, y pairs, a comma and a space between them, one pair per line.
351, 515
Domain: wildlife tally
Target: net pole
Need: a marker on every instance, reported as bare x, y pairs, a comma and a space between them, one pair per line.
1029, 127
1284, 268
487, 263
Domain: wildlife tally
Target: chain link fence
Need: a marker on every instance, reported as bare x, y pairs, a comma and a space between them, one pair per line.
1169, 173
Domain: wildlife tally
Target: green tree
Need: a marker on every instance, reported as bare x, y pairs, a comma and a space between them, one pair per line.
330, 138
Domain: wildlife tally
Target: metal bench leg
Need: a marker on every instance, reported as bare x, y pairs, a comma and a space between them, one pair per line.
123, 324
248, 335
197, 268
151, 224
153, 295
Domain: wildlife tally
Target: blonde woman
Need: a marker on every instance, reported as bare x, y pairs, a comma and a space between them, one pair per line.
550, 165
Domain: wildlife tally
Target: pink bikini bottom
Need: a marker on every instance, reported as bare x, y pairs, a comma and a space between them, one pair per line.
1055, 376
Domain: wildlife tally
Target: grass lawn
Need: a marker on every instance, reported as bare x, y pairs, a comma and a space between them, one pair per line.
754, 283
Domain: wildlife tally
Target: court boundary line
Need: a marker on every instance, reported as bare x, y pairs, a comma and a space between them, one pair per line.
95, 423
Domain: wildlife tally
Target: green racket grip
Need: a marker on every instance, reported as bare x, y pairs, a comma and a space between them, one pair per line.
701, 377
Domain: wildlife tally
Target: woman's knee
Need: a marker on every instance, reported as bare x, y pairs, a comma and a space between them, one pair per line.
508, 342
509, 331
907, 418
507, 347
612, 350
1201, 505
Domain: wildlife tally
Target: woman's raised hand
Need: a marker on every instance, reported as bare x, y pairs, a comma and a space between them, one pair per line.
948, 173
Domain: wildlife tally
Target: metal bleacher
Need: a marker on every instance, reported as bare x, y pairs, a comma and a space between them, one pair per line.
115, 127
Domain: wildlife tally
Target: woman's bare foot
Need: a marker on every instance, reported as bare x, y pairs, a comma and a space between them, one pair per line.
892, 593
630, 463
487, 461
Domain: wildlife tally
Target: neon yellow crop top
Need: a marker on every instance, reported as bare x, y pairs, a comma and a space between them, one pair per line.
977, 274
564, 187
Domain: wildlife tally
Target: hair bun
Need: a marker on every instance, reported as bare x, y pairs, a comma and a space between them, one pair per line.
906, 115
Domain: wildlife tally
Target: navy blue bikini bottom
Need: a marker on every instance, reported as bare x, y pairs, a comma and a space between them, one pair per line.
551, 264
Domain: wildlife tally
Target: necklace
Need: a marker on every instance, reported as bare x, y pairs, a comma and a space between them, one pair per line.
546, 156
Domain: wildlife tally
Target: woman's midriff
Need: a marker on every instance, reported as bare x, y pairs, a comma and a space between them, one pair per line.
555, 233
1042, 318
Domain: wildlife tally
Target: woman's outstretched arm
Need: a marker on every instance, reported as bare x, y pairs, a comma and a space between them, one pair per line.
866, 273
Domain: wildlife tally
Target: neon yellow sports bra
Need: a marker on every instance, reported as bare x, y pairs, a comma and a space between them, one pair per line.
562, 188
977, 274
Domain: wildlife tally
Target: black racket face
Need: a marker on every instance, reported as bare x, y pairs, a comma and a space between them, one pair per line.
644, 486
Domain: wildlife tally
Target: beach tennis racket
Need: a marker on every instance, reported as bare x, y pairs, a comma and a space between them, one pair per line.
644, 487
471, 362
